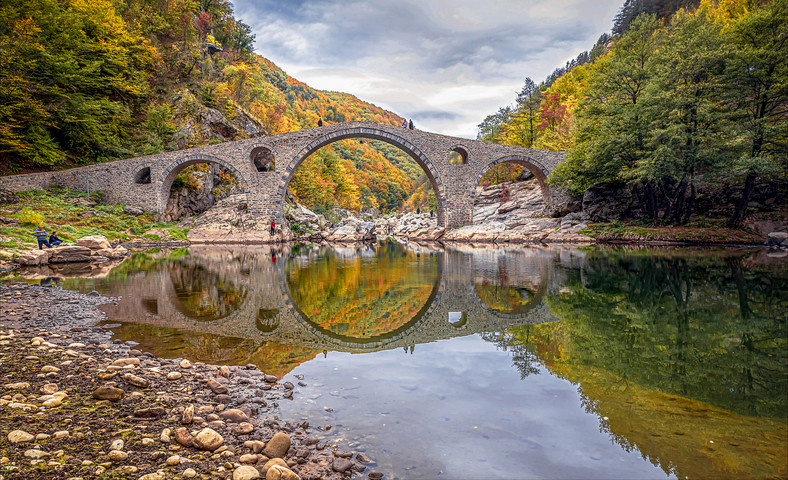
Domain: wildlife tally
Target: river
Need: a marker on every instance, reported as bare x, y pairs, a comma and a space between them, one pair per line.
465, 362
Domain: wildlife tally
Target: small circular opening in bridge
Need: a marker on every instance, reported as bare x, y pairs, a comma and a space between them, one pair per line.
267, 319
263, 159
458, 319
458, 156
142, 176
508, 192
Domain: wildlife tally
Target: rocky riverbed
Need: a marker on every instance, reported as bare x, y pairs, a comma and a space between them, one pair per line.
74, 404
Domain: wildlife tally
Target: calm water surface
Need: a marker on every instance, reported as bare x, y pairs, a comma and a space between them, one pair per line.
463, 362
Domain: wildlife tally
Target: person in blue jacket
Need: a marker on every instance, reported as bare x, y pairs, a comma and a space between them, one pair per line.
41, 236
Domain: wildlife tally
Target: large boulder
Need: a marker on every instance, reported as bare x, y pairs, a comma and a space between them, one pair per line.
34, 258
300, 214
604, 202
562, 203
69, 254
351, 230
94, 242
777, 239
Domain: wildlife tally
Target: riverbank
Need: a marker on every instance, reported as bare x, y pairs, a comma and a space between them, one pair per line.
76, 404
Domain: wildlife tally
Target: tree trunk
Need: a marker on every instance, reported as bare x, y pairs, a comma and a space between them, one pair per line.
690, 204
738, 216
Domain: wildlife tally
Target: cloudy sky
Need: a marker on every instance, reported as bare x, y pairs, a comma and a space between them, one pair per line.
446, 64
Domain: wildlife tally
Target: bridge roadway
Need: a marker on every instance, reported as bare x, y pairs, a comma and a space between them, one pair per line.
267, 311
264, 167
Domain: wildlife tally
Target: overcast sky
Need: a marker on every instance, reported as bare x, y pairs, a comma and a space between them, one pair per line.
446, 64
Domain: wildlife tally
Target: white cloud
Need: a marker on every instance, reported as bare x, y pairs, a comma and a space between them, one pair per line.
445, 63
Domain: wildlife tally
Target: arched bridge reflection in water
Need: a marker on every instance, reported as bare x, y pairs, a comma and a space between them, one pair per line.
351, 299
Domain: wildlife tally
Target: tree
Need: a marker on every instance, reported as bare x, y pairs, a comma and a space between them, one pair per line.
757, 80
687, 124
522, 128
613, 127
490, 128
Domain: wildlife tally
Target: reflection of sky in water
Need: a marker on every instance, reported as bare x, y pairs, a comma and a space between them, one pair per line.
444, 411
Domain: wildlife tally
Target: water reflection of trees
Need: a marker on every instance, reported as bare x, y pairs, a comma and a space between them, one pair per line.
702, 327
663, 348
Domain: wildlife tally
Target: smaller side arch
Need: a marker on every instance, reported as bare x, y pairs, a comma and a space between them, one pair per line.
534, 166
142, 176
458, 155
169, 174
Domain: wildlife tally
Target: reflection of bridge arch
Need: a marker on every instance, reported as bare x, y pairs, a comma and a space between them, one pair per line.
371, 342
453, 291
522, 310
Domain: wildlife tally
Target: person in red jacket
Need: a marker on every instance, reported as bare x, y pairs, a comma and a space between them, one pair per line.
273, 227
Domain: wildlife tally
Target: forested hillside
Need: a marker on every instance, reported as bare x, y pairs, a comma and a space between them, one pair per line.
683, 93
85, 81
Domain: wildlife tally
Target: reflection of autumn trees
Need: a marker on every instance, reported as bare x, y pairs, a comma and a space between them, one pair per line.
363, 297
702, 327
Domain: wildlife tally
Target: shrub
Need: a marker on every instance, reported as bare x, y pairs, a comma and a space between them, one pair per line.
29, 217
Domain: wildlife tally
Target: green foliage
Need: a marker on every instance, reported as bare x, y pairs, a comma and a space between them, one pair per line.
73, 73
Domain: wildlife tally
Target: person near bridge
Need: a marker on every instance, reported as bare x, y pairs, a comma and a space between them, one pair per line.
319, 122
54, 240
41, 236
273, 227
410, 124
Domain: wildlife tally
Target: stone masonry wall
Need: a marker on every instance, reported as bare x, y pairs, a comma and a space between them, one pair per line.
454, 184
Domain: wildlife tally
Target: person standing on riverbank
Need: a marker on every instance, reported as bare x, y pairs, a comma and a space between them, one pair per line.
273, 227
41, 236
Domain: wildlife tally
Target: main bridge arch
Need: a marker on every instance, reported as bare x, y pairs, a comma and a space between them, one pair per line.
372, 133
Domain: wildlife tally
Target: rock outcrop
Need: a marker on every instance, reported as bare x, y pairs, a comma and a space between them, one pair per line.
350, 230
89, 248
229, 221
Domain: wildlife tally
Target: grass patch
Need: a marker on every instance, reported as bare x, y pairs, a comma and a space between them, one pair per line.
72, 215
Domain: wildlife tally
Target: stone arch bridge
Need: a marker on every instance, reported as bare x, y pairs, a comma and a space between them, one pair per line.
145, 182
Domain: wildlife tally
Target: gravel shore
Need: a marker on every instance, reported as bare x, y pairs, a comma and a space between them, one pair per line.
74, 404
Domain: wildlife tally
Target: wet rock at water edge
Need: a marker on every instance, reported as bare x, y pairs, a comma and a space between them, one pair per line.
342, 465
234, 415
278, 446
